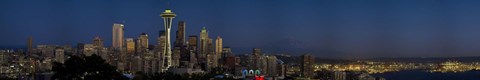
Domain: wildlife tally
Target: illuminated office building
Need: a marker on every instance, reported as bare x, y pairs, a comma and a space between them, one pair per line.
203, 50
306, 65
203, 42
30, 45
160, 54
180, 55
180, 37
97, 42
142, 43
218, 46
192, 47
212, 58
271, 66
117, 34
130, 46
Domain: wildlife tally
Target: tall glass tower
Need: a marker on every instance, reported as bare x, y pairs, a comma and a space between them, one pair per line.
117, 41
167, 16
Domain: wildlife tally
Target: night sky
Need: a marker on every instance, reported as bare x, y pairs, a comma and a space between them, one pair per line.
325, 28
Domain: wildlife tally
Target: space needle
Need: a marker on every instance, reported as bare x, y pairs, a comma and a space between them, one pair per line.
168, 16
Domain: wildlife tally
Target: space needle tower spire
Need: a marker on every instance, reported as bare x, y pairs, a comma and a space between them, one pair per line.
167, 16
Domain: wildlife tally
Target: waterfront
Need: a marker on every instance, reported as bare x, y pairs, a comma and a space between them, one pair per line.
424, 75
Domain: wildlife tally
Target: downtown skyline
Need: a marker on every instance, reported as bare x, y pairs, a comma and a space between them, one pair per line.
351, 29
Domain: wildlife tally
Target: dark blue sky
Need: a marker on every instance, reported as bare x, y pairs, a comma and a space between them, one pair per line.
325, 28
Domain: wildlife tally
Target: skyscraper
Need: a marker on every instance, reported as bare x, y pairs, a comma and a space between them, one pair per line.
193, 42
130, 46
160, 54
306, 67
117, 34
192, 48
180, 55
168, 16
202, 55
227, 58
128, 56
180, 38
97, 42
218, 46
227, 51
142, 43
29, 45
98, 45
271, 66
211, 56
144, 53
203, 40
176, 53
258, 61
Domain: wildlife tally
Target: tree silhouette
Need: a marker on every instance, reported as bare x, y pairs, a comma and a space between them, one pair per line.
86, 68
